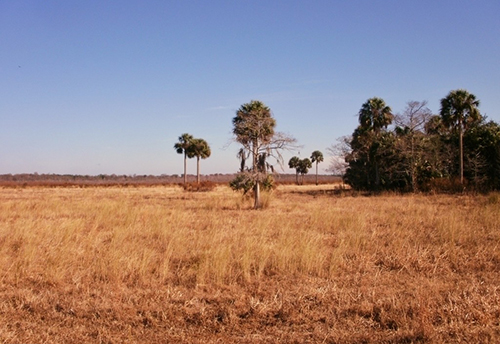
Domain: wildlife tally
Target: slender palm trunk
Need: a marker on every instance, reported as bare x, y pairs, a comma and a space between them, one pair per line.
185, 168
256, 171
198, 169
316, 173
257, 195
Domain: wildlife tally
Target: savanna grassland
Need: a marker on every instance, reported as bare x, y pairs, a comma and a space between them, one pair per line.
161, 265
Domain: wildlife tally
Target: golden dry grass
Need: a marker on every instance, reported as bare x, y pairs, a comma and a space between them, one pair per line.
160, 265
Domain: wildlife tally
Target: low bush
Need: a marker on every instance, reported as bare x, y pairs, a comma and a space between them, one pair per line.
203, 186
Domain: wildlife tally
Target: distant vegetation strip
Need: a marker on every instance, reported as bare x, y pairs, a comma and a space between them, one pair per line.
104, 180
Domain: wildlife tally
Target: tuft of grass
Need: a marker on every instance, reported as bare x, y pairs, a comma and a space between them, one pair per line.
494, 198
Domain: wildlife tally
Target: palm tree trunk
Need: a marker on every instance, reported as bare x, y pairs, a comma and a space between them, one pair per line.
198, 169
316, 173
185, 168
257, 195
255, 169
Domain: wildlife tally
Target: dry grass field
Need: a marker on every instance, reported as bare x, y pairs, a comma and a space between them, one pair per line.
161, 265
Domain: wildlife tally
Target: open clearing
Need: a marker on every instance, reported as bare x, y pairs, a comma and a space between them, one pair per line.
160, 265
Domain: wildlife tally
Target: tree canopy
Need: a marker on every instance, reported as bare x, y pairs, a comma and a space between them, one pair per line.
301, 167
253, 125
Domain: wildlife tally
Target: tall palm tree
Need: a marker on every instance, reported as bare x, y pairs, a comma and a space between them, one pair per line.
254, 129
294, 162
199, 148
316, 157
459, 109
182, 147
374, 116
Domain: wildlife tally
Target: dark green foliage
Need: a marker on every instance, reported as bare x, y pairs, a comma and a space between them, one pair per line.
432, 153
370, 142
245, 182
459, 111
304, 166
482, 156
253, 125
268, 183
301, 166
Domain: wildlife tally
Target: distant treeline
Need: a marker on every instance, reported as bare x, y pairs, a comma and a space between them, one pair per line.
53, 180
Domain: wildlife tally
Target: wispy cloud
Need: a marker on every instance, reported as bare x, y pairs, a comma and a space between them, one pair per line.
221, 107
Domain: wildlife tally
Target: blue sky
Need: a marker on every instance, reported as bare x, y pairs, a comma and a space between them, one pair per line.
91, 87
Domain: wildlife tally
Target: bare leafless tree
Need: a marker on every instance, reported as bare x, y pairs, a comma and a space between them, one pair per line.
338, 152
410, 127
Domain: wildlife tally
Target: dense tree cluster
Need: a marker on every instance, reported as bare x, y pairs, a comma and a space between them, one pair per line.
455, 150
301, 167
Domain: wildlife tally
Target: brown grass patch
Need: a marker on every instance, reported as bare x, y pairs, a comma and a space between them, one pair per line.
159, 264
